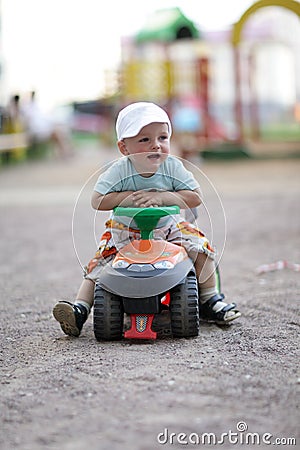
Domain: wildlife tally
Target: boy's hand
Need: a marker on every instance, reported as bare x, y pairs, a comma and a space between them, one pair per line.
184, 198
146, 199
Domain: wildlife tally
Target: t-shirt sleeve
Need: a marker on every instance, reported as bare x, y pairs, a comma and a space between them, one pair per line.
183, 179
109, 181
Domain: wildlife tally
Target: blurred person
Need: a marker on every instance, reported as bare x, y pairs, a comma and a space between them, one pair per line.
13, 124
13, 121
41, 128
147, 176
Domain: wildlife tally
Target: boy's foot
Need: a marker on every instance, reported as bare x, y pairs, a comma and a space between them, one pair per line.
216, 310
71, 317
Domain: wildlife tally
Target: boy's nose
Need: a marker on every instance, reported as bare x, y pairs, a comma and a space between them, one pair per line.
156, 145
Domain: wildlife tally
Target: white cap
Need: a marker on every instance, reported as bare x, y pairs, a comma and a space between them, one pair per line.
134, 117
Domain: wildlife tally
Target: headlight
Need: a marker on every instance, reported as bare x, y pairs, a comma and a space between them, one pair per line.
120, 264
141, 267
163, 265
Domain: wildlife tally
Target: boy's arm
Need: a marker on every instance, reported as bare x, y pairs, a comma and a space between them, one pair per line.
184, 198
143, 199
111, 200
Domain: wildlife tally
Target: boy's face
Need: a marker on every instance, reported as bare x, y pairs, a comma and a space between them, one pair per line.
148, 149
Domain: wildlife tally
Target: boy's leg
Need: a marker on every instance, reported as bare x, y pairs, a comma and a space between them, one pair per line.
212, 306
72, 316
85, 295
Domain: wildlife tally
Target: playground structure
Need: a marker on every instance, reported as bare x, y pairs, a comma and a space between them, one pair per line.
236, 39
210, 84
172, 63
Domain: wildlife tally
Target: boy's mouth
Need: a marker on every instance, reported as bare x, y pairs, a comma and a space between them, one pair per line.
154, 156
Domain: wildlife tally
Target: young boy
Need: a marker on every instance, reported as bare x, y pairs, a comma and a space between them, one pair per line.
146, 176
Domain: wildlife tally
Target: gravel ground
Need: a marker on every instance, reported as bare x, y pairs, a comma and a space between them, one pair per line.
71, 394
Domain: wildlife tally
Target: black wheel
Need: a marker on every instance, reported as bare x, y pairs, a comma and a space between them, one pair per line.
184, 309
108, 315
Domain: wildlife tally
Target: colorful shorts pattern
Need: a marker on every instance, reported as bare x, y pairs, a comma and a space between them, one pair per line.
117, 235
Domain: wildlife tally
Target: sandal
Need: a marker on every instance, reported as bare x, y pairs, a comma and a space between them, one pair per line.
220, 314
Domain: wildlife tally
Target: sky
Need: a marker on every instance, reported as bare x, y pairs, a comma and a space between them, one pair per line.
61, 48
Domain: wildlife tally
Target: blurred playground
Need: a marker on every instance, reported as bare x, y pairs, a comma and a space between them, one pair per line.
231, 94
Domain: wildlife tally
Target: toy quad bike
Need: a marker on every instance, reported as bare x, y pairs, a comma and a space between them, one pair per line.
146, 277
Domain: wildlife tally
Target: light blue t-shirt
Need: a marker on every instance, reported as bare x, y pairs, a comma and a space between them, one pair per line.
121, 176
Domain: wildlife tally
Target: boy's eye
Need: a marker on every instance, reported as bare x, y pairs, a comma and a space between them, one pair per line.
146, 139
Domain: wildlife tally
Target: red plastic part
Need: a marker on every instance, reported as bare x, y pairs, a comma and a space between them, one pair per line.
141, 327
166, 299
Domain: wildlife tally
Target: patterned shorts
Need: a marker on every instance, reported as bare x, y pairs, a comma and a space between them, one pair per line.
117, 235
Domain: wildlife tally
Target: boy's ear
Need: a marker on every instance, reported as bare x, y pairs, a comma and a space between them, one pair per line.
122, 148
